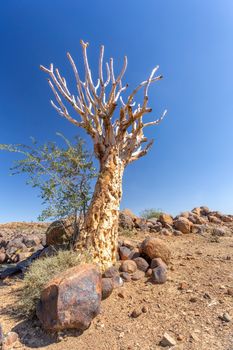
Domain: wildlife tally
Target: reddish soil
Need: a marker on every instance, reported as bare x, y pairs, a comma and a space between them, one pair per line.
191, 316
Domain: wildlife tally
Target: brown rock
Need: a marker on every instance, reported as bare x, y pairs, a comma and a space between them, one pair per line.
166, 219
136, 313
142, 264
138, 275
182, 224
159, 275
125, 221
2, 257
167, 340
72, 299
111, 272
126, 276
157, 262
117, 282
107, 287
214, 220
155, 248
149, 273
226, 218
128, 266
10, 339
59, 232
124, 253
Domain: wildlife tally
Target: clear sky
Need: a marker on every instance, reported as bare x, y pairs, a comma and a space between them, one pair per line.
191, 162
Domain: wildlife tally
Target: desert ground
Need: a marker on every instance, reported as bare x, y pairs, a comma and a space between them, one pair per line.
194, 306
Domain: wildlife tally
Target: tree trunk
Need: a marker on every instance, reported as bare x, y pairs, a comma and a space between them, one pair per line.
101, 223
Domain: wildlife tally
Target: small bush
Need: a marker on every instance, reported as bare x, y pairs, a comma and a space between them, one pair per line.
151, 213
41, 272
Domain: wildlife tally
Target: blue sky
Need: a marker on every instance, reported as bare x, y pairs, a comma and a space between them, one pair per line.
191, 162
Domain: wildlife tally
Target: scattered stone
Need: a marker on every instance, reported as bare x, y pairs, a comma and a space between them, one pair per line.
121, 294
166, 232
193, 300
218, 231
124, 253
136, 313
159, 275
117, 282
167, 340
142, 264
125, 221
134, 254
31, 241
157, 262
107, 287
230, 291
1, 335
141, 224
225, 317
182, 224
138, 275
111, 272
2, 258
149, 273
180, 337
155, 248
144, 309
10, 339
214, 220
126, 276
71, 300
129, 266
166, 219
177, 233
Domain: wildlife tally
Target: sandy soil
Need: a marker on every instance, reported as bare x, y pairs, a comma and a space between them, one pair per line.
190, 315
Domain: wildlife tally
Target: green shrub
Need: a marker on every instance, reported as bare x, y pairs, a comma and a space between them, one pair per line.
151, 213
41, 272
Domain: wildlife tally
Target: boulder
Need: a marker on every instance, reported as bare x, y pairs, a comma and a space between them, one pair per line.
142, 264
159, 275
182, 224
138, 275
124, 253
71, 300
129, 266
157, 262
107, 287
214, 219
166, 219
226, 218
31, 241
155, 248
125, 221
141, 224
59, 232
111, 272
219, 231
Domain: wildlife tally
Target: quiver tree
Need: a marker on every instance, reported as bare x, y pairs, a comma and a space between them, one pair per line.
118, 138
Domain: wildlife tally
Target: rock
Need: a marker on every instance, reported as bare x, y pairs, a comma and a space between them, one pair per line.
159, 275
149, 273
195, 219
15, 246
126, 276
107, 287
10, 339
166, 232
142, 264
167, 340
144, 309
196, 211
129, 266
71, 300
218, 231
125, 221
2, 257
129, 244
117, 282
226, 218
225, 317
59, 232
177, 233
138, 275
166, 219
49, 251
214, 220
157, 262
31, 241
182, 224
134, 254
155, 248
129, 213
199, 229
230, 291
204, 210
124, 253
183, 286
1, 335
141, 224
136, 313
111, 272
185, 214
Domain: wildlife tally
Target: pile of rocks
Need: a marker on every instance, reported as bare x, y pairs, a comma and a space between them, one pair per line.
195, 221
20, 247
72, 299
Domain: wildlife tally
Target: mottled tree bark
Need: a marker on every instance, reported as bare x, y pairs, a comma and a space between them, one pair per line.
101, 223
